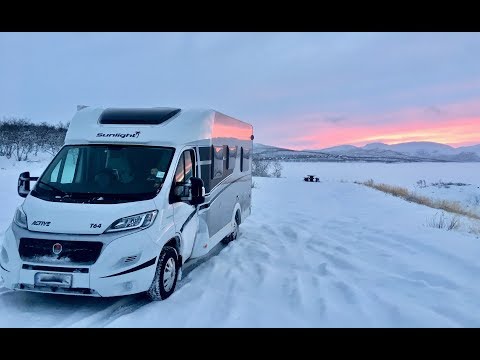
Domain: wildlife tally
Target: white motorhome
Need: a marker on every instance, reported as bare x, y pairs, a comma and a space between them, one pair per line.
131, 196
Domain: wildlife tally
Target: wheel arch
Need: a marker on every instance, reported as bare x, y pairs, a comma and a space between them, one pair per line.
237, 210
176, 243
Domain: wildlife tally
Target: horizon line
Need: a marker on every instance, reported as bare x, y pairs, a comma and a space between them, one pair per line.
361, 146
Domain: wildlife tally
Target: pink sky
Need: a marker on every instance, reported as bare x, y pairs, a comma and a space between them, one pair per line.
456, 124
459, 132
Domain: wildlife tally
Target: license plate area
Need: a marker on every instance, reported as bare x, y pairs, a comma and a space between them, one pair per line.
53, 279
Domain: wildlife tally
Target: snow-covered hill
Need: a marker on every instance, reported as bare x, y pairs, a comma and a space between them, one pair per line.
339, 149
431, 150
475, 149
271, 152
344, 153
404, 152
382, 154
423, 148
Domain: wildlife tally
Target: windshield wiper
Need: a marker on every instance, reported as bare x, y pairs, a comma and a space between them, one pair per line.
63, 193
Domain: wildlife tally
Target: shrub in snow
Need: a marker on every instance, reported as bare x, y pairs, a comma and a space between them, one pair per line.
475, 230
261, 167
277, 169
446, 185
443, 223
421, 184
19, 137
474, 200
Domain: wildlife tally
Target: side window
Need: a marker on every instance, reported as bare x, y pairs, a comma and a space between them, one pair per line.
180, 172
217, 162
185, 170
69, 167
232, 157
189, 165
186, 167
246, 161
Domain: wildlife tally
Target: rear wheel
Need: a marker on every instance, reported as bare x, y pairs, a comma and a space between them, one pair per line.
165, 280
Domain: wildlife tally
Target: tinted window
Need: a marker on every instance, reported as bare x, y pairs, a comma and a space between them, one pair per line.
217, 162
180, 172
246, 159
188, 165
153, 116
232, 151
185, 170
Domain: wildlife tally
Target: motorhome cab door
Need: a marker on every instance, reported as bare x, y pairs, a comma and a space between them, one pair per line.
185, 215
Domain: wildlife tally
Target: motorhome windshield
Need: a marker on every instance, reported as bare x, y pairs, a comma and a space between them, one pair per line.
104, 174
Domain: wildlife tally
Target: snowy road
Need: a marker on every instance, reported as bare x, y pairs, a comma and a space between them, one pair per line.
324, 254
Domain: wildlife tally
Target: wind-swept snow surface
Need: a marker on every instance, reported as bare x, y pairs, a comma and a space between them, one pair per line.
328, 254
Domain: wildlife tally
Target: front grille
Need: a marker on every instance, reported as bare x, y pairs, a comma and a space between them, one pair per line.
41, 250
56, 268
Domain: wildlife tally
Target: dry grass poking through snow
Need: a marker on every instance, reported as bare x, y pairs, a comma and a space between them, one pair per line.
475, 230
443, 222
401, 192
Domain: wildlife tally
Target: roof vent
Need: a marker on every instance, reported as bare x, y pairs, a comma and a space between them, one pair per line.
80, 107
153, 116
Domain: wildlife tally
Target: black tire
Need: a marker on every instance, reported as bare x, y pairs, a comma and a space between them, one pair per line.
234, 234
157, 290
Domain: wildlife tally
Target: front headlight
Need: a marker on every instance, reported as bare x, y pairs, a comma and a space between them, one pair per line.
20, 218
134, 222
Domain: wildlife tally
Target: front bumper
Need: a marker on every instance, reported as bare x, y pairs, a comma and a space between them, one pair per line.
126, 265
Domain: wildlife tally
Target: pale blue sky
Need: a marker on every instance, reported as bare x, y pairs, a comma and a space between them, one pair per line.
266, 79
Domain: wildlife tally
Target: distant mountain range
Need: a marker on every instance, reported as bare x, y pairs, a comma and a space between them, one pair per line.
405, 152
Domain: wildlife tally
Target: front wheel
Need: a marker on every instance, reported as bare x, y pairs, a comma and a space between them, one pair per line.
165, 280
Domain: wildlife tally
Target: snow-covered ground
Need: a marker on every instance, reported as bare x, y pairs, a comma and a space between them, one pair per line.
328, 254
406, 175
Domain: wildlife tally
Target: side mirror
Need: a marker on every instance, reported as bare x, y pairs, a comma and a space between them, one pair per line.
23, 187
192, 192
197, 191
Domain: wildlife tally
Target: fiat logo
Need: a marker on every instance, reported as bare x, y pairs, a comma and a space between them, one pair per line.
57, 248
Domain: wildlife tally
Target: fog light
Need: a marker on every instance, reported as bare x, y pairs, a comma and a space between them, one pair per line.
128, 285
